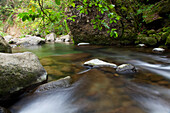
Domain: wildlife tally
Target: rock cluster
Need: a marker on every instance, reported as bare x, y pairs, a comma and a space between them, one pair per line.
122, 69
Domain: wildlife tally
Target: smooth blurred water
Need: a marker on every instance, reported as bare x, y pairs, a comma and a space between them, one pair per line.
99, 90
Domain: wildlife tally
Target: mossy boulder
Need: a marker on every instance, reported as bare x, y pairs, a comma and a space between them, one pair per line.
4, 46
19, 71
168, 41
149, 41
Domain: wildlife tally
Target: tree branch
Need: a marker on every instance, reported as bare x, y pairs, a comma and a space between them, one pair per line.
41, 7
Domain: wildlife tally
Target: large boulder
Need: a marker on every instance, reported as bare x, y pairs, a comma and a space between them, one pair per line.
30, 40
149, 41
50, 37
4, 46
19, 71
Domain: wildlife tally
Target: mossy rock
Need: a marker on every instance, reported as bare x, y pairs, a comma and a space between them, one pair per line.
19, 71
150, 41
168, 41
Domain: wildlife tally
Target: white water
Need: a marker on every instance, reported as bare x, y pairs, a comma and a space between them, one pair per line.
155, 68
153, 99
56, 102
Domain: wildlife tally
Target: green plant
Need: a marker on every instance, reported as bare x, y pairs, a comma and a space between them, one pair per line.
50, 17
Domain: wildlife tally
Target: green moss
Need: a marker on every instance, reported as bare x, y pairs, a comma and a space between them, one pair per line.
14, 78
150, 41
168, 41
152, 31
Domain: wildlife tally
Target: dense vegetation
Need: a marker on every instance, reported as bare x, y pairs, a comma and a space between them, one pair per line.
119, 18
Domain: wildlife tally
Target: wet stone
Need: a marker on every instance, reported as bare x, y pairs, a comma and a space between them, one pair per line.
158, 50
99, 63
126, 69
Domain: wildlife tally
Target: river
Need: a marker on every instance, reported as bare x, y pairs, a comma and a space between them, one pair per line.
100, 90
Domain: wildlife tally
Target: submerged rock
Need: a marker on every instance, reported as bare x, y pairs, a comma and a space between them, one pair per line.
61, 83
50, 37
4, 46
83, 44
158, 50
19, 71
99, 63
4, 110
126, 68
30, 40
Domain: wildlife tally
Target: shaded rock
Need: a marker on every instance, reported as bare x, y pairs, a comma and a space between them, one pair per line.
30, 40
19, 71
83, 44
8, 38
50, 37
61, 83
4, 110
4, 46
158, 50
99, 63
126, 68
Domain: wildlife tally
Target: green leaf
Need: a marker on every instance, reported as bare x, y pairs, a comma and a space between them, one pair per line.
73, 4
111, 6
115, 34
57, 2
100, 5
94, 26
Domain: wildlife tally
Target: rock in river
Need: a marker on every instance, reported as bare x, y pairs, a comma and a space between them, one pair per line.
61, 83
4, 46
126, 68
158, 50
99, 63
19, 71
63, 38
83, 44
50, 37
30, 40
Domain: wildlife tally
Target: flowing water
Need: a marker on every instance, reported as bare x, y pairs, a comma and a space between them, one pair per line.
100, 90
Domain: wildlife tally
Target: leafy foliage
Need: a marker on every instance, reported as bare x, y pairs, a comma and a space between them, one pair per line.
51, 17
